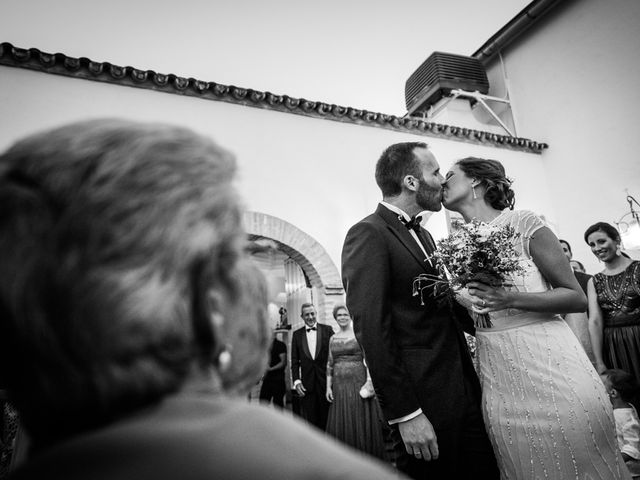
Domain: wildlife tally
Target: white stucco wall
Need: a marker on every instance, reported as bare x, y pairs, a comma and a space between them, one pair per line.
315, 174
574, 82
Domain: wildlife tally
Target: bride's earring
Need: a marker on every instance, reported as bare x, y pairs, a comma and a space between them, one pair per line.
473, 188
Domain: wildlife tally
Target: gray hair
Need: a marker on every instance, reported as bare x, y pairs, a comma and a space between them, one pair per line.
112, 235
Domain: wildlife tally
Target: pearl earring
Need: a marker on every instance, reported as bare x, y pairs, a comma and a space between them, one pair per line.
473, 188
224, 360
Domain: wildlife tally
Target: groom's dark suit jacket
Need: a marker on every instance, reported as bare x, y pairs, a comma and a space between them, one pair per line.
417, 354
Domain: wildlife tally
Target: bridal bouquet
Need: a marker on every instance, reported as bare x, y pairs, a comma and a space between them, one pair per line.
475, 252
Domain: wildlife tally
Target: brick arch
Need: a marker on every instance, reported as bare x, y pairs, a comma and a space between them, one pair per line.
306, 251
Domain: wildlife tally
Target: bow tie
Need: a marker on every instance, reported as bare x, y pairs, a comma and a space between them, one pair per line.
413, 224
311, 328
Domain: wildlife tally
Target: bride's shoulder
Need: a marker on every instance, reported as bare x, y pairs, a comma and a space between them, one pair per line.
526, 214
524, 220
516, 216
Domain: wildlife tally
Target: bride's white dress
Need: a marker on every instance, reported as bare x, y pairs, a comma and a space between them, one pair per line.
546, 410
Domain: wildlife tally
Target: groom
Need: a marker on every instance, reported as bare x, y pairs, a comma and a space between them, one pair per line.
417, 354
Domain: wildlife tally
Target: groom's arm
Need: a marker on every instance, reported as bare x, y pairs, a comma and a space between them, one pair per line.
461, 315
366, 276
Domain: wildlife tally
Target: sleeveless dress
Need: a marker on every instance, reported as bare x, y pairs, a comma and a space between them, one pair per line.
545, 408
619, 300
352, 419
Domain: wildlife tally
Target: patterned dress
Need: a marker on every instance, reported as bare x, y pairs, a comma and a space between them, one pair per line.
619, 300
545, 408
352, 419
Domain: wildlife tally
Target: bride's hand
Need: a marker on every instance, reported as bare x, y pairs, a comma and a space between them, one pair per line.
486, 298
462, 296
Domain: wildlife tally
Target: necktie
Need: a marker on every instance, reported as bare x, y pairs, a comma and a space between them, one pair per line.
413, 224
311, 328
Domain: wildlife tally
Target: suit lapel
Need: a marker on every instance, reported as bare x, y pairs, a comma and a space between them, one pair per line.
318, 340
396, 227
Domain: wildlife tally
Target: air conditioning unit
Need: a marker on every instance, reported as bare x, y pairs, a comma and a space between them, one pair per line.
438, 75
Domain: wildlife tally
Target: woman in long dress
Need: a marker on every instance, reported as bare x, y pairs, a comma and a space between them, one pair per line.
614, 303
545, 408
355, 417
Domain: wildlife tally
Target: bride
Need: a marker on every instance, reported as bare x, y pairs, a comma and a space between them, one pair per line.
545, 408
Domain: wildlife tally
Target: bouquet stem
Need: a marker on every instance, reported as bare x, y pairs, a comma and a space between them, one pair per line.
482, 320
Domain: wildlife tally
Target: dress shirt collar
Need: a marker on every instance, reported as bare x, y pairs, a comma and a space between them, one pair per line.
399, 211
395, 209
404, 214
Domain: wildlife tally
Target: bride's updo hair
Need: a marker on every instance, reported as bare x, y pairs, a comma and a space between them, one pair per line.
490, 172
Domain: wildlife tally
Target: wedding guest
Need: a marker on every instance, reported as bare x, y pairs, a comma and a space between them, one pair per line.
622, 388
273, 387
354, 415
534, 372
576, 266
579, 321
129, 311
614, 303
309, 352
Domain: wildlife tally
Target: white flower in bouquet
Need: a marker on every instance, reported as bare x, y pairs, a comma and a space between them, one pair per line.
475, 252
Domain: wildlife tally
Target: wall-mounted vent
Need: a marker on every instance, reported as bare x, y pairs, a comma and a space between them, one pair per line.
438, 75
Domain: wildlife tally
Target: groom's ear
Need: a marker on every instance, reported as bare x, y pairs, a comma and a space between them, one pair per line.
410, 182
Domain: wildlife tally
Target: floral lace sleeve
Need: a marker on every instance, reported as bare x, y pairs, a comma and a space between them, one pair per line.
527, 223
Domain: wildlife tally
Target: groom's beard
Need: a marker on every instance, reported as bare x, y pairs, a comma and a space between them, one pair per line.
429, 198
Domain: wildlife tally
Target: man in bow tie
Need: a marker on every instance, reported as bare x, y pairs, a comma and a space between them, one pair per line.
309, 352
416, 352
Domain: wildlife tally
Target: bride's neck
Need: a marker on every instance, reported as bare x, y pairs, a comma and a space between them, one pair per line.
478, 210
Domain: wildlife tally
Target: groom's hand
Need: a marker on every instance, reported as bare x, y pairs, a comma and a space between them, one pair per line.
419, 438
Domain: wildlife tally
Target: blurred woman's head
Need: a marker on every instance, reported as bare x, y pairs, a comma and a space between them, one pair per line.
119, 243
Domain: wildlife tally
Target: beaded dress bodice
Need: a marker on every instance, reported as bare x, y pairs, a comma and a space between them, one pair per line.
619, 296
526, 223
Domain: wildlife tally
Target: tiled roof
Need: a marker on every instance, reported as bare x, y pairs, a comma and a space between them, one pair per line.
85, 68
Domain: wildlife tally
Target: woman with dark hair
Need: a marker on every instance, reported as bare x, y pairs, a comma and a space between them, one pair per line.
614, 303
544, 405
355, 417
